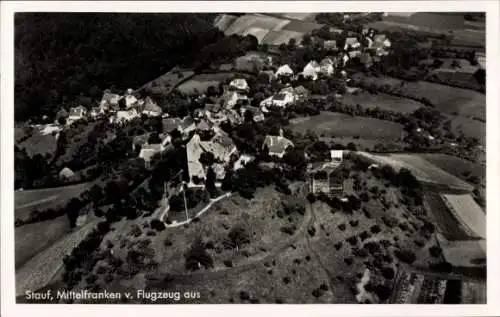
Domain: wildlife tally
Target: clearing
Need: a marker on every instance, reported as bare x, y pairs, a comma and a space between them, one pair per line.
470, 127
38, 143
383, 101
169, 81
456, 166
332, 124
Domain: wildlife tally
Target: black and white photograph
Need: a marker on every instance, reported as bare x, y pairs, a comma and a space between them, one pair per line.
212, 157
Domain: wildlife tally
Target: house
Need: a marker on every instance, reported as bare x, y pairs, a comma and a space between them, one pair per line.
95, 112
301, 92
330, 45
351, 43
231, 98
151, 109
148, 151
171, 124
345, 58
258, 115
62, 114
76, 113
311, 70
51, 128
109, 101
222, 148
354, 53
187, 125
277, 144
139, 141
381, 44
130, 99
284, 71
337, 156
66, 174
325, 178
239, 84
122, 116
284, 98
204, 125
242, 161
326, 67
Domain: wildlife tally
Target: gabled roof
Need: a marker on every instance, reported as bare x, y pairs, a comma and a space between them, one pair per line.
239, 83
351, 41
203, 125
301, 90
110, 98
326, 61
150, 105
170, 124
187, 122
141, 139
284, 70
379, 38
277, 144
313, 64
77, 111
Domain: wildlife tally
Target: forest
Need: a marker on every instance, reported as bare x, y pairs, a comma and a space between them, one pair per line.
63, 58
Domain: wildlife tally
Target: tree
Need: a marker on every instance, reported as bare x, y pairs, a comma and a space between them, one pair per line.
207, 158
197, 256
210, 182
237, 237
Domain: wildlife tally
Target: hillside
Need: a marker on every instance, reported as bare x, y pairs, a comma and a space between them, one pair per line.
62, 55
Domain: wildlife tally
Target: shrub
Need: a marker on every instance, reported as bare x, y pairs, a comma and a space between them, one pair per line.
388, 273
390, 221
228, 263
375, 229
364, 235
406, 256
435, 251
312, 231
342, 226
311, 198
167, 242
323, 287
349, 261
354, 223
352, 240
286, 280
157, 225
244, 295
338, 245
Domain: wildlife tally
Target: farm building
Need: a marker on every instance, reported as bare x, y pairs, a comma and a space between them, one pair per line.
277, 144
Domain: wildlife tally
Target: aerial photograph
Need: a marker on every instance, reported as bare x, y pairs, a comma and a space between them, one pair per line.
250, 158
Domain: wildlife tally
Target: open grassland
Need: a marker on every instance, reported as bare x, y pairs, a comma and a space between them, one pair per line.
201, 82
33, 238
40, 269
330, 124
447, 99
381, 101
468, 211
456, 166
422, 169
41, 199
464, 65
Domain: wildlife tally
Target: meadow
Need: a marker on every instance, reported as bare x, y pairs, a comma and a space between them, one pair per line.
383, 101
200, 83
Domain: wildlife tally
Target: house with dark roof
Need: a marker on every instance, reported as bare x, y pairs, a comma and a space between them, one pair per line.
151, 108
277, 144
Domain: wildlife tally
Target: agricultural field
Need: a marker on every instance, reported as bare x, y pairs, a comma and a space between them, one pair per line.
452, 100
330, 124
456, 166
464, 65
464, 254
40, 269
200, 83
168, 81
468, 212
449, 226
41, 199
302, 16
382, 101
423, 170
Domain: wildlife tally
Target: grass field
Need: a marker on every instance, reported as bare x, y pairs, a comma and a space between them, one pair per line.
455, 165
33, 238
330, 124
201, 82
382, 101
470, 253
468, 211
168, 81
447, 99
422, 169
41, 199
465, 66
40, 269
470, 127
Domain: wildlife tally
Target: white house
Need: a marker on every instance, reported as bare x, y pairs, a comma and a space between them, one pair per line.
284, 98
232, 97
75, 114
311, 70
284, 71
326, 67
124, 115
352, 43
148, 151
277, 144
151, 108
381, 44
109, 100
239, 84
